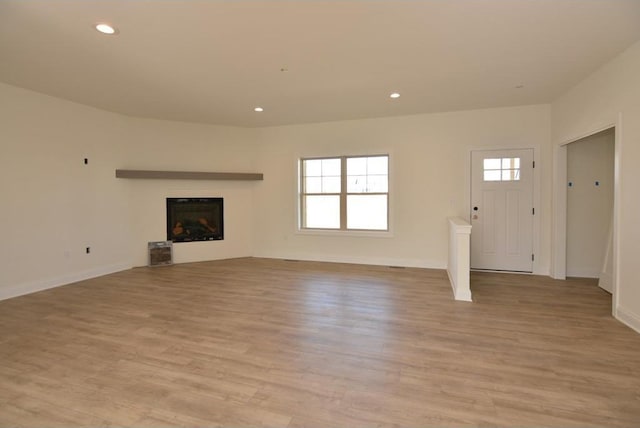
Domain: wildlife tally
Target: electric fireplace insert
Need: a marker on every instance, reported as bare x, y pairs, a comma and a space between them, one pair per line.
195, 219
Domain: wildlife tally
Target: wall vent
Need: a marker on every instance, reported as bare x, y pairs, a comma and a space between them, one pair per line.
160, 253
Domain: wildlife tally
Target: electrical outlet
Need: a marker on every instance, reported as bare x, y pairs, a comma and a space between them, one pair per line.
88, 250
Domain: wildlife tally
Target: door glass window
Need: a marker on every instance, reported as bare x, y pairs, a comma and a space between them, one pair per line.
501, 169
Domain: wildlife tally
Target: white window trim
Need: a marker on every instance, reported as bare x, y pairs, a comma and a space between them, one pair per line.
349, 233
389, 233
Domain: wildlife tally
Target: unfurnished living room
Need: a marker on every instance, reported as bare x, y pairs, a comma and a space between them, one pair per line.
320, 213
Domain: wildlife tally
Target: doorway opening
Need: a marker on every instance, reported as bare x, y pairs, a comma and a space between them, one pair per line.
560, 217
590, 189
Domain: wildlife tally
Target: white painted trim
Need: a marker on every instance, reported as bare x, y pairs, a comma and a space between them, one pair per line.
536, 268
559, 214
605, 281
458, 266
617, 197
374, 261
35, 286
461, 295
349, 233
298, 230
584, 273
628, 318
510, 272
559, 238
587, 134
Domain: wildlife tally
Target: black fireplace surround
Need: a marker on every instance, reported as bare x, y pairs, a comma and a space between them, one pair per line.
195, 219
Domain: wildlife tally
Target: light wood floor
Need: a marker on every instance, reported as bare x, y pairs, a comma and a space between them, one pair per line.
258, 342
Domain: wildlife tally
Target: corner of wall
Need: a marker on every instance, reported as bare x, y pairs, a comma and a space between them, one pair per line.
629, 318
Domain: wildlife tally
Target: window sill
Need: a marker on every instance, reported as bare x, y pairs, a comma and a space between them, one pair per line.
346, 233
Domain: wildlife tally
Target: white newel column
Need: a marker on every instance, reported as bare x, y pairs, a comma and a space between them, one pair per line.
459, 258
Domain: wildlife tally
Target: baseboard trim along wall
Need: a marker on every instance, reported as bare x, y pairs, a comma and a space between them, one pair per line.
628, 318
35, 286
375, 261
583, 273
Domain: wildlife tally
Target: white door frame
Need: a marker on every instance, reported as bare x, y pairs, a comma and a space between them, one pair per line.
559, 238
502, 259
538, 268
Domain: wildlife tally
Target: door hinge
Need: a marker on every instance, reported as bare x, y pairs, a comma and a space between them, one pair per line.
533, 257
533, 211
534, 164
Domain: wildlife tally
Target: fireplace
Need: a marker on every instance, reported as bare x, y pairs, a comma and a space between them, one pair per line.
195, 219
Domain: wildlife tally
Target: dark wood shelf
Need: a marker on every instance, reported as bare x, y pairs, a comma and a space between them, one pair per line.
187, 175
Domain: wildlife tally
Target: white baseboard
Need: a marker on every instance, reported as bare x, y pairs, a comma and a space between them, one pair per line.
542, 270
583, 273
376, 261
461, 295
45, 284
606, 282
629, 318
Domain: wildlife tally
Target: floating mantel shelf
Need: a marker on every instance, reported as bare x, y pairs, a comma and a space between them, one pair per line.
187, 175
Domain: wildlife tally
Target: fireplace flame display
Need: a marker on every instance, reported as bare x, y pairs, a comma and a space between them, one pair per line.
195, 219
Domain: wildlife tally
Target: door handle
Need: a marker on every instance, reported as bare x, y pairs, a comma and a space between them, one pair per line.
475, 208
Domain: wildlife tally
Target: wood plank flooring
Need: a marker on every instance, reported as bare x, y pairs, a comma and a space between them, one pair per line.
260, 342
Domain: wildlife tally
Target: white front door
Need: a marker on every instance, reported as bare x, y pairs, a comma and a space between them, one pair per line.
502, 210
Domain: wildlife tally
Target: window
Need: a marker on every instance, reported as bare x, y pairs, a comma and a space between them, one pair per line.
345, 193
502, 169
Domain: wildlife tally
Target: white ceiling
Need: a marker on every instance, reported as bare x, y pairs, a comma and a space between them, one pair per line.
214, 61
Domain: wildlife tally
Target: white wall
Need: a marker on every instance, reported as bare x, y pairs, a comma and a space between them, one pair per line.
611, 96
55, 206
52, 205
429, 166
176, 146
589, 207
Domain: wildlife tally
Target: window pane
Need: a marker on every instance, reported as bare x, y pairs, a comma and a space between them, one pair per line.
322, 211
377, 184
323, 193
331, 167
367, 212
510, 163
313, 185
356, 183
492, 175
367, 184
491, 164
511, 175
378, 165
357, 166
313, 168
330, 184
367, 174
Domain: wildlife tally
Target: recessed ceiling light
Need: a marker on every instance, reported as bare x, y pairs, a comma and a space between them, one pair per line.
394, 95
258, 109
106, 28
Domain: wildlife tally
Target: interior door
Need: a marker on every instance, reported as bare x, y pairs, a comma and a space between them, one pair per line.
502, 210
